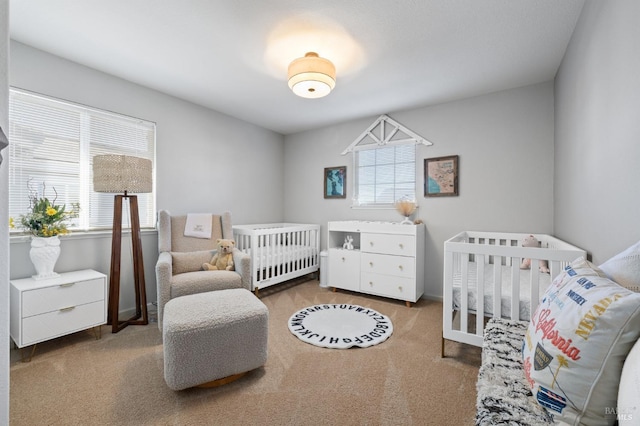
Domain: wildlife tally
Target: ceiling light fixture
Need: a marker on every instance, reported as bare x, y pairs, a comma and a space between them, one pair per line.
312, 76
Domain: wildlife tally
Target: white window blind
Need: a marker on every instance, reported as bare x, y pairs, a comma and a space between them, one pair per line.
52, 142
385, 174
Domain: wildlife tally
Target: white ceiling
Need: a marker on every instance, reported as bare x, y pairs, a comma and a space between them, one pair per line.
232, 55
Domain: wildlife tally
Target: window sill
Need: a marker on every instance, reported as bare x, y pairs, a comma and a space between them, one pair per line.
374, 207
81, 235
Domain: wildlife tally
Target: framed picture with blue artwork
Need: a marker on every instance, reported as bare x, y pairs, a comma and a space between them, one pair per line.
441, 176
335, 182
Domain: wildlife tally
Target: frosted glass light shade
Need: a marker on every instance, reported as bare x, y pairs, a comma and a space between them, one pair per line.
122, 173
312, 76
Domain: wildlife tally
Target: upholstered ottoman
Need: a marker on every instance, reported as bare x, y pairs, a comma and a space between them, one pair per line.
212, 338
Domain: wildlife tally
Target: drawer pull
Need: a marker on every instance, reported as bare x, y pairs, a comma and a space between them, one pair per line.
371, 264
371, 283
371, 243
68, 308
401, 246
343, 259
400, 288
67, 284
400, 267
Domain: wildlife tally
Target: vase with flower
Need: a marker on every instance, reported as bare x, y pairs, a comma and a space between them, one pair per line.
45, 221
406, 207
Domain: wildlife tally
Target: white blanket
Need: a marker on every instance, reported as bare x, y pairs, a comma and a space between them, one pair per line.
198, 225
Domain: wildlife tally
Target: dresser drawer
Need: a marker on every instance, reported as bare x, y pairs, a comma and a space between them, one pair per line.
389, 286
402, 245
400, 266
61, 322
50, 299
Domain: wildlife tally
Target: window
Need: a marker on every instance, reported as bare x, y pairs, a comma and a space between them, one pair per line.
384, 159
385, 174
53, 142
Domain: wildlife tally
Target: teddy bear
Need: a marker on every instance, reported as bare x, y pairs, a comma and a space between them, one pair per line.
223, 259
532, 241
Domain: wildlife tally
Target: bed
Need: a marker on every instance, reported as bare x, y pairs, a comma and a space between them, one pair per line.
485, 266
279, 251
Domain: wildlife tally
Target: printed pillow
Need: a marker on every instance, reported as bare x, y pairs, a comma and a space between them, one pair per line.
190, 261
576, 344
624, 268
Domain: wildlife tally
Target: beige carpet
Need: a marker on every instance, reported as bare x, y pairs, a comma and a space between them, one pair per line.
118, 379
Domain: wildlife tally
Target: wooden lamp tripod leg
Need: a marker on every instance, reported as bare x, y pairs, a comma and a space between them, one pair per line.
138, 265
140, 317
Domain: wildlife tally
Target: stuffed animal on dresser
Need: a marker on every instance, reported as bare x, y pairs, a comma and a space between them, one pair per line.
223, 259
543, 265
348, 243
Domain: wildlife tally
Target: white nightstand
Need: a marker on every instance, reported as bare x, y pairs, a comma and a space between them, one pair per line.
46, 309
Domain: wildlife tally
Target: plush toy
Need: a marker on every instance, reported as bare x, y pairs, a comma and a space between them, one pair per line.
532, 241
223, 259
348, 242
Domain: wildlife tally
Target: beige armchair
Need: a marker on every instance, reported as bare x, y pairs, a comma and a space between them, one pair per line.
179, 267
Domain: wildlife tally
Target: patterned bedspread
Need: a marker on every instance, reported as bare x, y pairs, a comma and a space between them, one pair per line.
504, 397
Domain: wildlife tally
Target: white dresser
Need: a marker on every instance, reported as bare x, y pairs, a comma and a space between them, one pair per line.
45, 309
387, 259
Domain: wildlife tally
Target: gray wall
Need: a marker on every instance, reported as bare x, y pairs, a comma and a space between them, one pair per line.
597, 201
4, 218
505, 144
205, 161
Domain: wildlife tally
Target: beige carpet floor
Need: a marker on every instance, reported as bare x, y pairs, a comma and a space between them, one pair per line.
118, 379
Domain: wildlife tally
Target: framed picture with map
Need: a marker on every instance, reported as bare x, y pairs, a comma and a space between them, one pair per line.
441, 176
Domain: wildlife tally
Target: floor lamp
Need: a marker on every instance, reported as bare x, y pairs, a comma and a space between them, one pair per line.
124, 174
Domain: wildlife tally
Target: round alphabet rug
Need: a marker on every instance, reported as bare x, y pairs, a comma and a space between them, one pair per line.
340, 326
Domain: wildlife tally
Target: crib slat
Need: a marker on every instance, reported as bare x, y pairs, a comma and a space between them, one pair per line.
480, 262
555, 268
497, 286
450, 262
534, 291
464, 295
515, 288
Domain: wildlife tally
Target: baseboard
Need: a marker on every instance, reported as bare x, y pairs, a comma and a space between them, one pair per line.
152, 312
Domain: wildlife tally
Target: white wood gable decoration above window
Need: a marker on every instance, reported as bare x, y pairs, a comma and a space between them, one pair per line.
384, 160
385, 131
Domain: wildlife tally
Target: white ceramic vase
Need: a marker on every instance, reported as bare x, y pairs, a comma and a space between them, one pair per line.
44, 255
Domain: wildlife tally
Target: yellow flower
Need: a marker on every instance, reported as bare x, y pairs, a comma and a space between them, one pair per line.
45, 218
11, 223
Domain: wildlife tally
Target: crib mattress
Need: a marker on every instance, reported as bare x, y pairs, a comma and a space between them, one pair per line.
472, 295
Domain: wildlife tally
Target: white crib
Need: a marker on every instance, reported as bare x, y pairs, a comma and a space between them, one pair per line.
279, 251
485, 266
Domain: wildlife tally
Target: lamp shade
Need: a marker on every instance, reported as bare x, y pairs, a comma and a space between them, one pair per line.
122, 173
312, 76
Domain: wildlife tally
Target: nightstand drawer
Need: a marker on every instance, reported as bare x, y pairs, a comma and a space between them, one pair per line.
388, 265
401, 245
49, 299
47, 326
